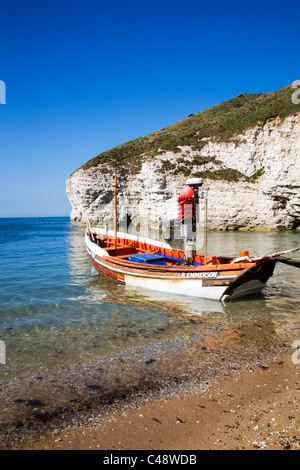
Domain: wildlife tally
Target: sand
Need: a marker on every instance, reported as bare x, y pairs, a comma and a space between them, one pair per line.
244, 409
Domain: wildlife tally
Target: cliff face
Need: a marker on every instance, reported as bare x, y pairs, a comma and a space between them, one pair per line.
252, 181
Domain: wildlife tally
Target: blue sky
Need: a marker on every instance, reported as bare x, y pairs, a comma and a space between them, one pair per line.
84, 76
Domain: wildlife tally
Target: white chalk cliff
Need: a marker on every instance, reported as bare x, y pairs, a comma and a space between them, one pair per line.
270, 200
266, 197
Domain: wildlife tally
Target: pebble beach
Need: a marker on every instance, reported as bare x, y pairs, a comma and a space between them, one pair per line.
248, 409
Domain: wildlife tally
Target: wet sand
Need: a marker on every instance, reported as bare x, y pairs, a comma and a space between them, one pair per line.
255, 408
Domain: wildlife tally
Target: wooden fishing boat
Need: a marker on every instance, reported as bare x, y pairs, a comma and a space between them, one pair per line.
144, 263
150, 264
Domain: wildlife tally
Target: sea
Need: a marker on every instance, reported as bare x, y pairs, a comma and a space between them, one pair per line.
76, 346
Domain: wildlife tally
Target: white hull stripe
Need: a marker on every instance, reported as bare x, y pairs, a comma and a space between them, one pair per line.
190, 287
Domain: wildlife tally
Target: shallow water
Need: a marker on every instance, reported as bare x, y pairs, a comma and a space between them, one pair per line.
72, 335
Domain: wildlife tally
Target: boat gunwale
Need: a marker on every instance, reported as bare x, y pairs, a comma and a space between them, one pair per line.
205, 268
138, 271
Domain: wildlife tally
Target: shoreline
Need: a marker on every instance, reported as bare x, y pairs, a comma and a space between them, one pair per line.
248, 408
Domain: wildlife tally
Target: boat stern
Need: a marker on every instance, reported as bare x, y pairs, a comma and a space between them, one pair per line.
251, 281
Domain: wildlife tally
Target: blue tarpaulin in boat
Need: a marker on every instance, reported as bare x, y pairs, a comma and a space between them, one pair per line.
148, 258
156, 259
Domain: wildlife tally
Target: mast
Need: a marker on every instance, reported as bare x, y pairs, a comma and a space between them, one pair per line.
115, 211
189, 203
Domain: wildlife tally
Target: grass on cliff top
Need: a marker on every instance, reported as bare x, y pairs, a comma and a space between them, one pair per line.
221, 122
